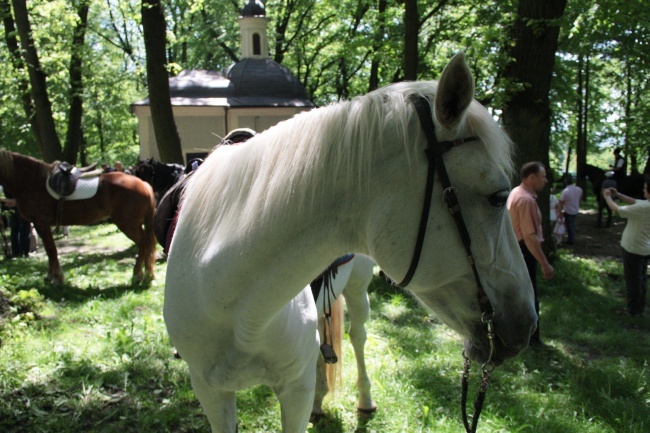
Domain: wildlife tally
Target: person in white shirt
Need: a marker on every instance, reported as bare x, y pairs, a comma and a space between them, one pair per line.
570, 200
556, 218
635, 244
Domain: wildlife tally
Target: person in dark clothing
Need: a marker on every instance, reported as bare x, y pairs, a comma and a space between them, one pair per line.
620, 167
21, 231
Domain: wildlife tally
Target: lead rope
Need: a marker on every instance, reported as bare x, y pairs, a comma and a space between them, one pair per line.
486, 369
449, 196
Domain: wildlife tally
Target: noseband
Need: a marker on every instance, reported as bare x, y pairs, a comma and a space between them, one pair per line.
434, 153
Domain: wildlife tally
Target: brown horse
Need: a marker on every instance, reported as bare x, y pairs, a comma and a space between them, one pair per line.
124, 199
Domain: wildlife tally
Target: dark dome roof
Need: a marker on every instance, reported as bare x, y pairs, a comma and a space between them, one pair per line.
264, 78
247, 83
254, 8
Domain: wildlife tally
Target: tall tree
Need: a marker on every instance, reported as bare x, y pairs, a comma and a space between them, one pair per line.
373, 81
162, 116
17, 61
50, 145
411, 33
582, 118
74, 136
526, 115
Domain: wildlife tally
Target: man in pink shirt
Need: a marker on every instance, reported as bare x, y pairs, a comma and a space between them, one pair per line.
570, 200
527, 224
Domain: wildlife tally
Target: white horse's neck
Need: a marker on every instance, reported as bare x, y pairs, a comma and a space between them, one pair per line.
281, 213
254, 278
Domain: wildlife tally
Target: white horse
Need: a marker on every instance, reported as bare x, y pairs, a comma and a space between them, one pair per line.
269, 214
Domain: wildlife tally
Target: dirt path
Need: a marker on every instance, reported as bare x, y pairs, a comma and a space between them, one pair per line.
596, 242
590, 241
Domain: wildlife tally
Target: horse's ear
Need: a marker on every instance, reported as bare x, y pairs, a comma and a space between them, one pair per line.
455, 91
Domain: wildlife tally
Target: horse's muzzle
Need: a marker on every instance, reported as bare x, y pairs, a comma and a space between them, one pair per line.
506, 344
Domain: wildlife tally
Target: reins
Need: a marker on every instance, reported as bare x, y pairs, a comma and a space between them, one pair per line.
434, 153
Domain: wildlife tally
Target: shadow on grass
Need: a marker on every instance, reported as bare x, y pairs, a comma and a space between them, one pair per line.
30, 274
81, 396
328, 423
597, 372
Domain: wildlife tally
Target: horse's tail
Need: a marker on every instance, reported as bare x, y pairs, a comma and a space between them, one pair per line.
334, 372
150, 237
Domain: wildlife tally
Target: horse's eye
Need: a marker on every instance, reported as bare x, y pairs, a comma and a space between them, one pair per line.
499, 198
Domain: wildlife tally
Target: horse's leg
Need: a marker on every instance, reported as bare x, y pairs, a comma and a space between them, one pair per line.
321, 381
296, 401
609, 217
136, 233
601, 205
219, 406
148, 242
356, 299
54, 274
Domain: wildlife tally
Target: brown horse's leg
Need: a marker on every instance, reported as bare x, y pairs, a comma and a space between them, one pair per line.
146, 242
134, 232
149, 242
54, 274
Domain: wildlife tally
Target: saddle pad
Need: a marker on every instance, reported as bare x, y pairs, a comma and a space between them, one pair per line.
328, 274
86, 188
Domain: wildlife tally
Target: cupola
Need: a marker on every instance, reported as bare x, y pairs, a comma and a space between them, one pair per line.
253, 22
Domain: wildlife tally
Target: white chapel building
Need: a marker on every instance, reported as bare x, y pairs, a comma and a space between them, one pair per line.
255, 93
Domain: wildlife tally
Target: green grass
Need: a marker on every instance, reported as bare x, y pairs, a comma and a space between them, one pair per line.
93, 356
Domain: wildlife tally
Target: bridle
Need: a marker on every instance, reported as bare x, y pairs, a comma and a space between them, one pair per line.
434, 153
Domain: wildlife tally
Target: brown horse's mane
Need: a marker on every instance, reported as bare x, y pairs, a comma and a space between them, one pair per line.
7, 164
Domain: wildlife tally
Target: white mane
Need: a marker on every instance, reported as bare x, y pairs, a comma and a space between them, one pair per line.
315, 149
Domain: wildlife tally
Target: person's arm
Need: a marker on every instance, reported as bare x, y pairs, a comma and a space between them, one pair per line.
535, 248
607, 195
625, 198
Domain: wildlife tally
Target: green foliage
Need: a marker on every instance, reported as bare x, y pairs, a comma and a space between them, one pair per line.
332, 47
94, 356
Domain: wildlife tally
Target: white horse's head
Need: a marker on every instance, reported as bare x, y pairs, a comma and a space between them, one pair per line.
479, 170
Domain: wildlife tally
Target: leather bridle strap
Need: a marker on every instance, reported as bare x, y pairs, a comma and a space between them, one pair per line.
434, 153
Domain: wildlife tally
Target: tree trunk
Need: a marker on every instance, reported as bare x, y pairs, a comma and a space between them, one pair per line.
629, 150
50, 144
580, 108
582, 159
17, 60
583, 120
411, 31
373, 82
526, 115
74, 136
162, 116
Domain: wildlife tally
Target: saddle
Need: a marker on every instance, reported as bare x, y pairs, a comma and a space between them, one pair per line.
63, 181
65, 176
